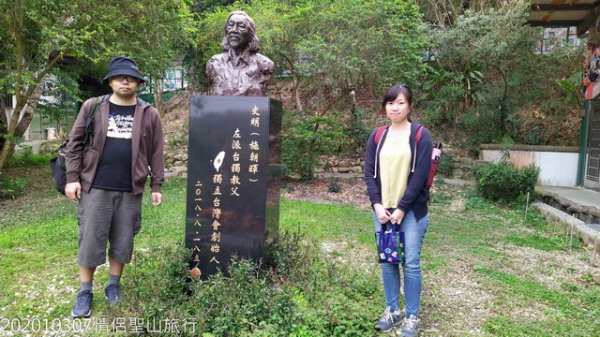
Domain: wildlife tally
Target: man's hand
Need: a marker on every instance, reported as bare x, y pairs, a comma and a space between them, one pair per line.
73, 191
156, 198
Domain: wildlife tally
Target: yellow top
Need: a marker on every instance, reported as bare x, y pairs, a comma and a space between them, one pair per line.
394, 168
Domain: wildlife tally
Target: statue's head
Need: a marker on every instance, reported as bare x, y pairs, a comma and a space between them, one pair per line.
240, 32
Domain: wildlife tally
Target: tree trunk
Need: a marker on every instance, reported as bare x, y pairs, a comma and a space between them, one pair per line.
27, 114
3, 121
19, 121
296, 80
159, 103
20, 88
9, 145
296, 89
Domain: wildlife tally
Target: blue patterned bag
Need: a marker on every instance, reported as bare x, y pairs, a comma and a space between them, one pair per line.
390, 244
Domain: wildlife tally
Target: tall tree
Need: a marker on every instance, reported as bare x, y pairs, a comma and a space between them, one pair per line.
444, 13
37, 35
157, 49
488, 69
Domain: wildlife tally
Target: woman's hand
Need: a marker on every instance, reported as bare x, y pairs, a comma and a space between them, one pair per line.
397, 216
382, 214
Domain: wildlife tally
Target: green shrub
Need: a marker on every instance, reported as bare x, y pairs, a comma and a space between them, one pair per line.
295, 291
356, 133
26, 157
305, 140
334, 185
284, 252
504, 182
11, 188
446, 166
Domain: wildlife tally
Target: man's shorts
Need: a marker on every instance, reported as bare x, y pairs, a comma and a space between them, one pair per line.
107, 216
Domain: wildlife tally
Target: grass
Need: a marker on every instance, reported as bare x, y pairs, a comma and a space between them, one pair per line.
38, 273
327, 222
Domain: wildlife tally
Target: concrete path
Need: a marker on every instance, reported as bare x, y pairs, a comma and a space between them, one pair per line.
579, 195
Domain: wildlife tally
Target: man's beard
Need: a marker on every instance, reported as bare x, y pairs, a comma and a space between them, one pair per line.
237, 42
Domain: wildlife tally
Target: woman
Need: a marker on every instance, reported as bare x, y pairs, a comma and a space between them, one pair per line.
396, 171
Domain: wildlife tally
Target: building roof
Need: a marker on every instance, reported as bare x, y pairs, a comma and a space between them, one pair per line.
564, 13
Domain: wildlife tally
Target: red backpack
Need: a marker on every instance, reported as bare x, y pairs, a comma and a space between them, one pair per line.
435, 155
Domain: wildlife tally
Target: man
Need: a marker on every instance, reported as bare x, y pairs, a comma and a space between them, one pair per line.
240, 70
107, 175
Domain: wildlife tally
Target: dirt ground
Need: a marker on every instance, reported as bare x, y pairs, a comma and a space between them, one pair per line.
353, 191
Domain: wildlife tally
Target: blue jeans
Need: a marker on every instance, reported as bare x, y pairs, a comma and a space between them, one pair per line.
414, 232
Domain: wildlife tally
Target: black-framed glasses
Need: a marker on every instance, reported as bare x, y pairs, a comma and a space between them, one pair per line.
121, 78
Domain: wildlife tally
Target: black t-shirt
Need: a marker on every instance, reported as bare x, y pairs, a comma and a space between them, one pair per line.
114, 169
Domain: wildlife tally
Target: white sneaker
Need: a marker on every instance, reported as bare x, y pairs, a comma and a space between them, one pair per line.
389, 319
410, 327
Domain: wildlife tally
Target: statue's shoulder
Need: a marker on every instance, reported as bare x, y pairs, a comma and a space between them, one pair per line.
218, 58
264, 62
262, 58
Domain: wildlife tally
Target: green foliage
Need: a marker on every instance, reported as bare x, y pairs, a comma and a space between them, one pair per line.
525, 287
487, 79
226, 306
446, 166
334, 185
162, 30
305, 140
442, 198
39, 37
208, 43
444, 13
61, 97
356, 133
504, 182
474, 201
540, 242
26, 157
11, 188
293, 293
284, 253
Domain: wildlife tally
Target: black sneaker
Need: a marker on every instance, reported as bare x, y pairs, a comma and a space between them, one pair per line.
83, 305
389, 319
113, 294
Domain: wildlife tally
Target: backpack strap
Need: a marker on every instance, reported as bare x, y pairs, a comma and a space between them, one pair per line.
91, 119
379, 133
381, 129
419, 134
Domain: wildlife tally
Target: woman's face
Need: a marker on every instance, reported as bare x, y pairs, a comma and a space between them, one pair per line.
398, 109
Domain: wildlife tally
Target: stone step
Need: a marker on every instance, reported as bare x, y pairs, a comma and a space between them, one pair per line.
589, 233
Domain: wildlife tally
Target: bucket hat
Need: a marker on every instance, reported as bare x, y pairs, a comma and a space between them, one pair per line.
122, 65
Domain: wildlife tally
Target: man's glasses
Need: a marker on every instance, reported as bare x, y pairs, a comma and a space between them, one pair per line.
121, 78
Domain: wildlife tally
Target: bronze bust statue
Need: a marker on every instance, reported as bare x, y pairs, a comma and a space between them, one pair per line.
240, 70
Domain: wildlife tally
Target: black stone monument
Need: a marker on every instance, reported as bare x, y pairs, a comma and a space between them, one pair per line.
233, 179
